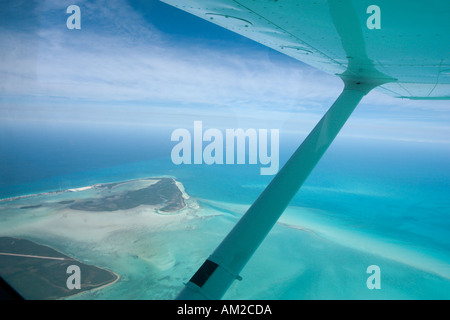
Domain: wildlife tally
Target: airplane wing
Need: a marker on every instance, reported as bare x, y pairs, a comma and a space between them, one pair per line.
407, 40
399, 47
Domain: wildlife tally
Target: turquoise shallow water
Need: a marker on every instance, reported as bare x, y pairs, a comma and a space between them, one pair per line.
369, 202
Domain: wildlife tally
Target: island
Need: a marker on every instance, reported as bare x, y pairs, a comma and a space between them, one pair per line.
38, 272
164, 193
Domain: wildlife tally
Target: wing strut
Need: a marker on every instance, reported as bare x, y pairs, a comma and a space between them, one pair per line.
219, 271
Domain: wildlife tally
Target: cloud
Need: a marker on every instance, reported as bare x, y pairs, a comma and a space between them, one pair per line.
102, 69
99, 64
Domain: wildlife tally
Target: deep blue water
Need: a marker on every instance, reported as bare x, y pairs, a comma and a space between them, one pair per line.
37, 159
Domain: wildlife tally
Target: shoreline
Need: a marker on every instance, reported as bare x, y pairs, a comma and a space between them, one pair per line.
50, 193
93, 289
61, 256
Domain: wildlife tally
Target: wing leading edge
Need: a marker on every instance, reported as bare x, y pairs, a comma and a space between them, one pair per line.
411, 46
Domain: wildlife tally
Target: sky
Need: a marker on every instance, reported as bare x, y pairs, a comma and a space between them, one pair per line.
144, 63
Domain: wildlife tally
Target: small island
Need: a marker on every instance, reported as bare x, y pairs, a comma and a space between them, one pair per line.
38, 272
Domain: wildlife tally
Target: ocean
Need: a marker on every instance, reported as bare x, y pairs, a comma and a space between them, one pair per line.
368, 202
